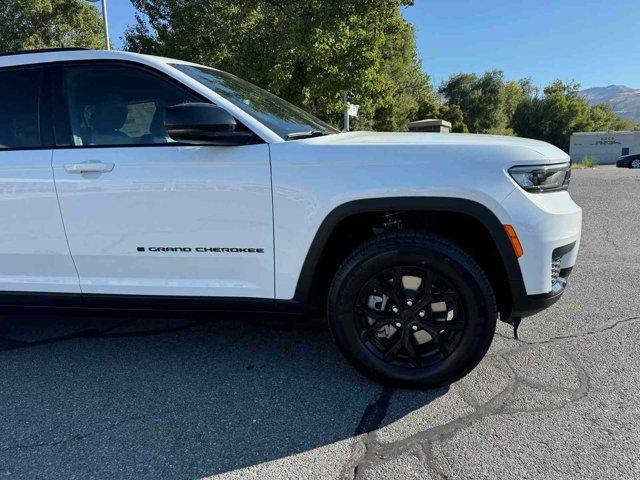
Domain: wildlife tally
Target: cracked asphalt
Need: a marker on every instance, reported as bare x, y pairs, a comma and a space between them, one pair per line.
174, 397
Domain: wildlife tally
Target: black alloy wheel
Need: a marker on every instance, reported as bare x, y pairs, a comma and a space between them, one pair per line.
410, 316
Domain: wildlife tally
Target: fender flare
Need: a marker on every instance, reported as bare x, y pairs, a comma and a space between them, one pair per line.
434, 204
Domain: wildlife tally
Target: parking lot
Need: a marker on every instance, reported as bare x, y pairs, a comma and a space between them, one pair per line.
173, 397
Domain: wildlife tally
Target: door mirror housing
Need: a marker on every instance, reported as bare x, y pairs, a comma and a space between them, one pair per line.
203, 124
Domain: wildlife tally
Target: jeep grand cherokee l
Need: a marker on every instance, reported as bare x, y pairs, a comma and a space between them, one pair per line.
131, 181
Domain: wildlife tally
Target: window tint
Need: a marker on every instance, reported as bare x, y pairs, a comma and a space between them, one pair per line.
19, 108
119, 105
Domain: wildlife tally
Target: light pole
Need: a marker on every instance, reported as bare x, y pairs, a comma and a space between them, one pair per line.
346, 125
105, 21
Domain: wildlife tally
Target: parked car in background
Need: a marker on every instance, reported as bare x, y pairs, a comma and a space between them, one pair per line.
629, 161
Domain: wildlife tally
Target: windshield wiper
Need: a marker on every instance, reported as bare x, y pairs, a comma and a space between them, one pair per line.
306, 134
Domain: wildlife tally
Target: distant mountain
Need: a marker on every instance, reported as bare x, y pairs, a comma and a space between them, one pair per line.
624, 100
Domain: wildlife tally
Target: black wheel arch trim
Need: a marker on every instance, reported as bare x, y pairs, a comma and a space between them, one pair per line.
481, 213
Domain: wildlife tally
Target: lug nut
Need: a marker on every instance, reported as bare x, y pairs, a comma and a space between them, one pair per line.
422, 314
410, 303
395, 309
414, 328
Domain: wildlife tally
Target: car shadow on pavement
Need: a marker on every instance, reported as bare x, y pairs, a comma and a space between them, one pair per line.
173, 396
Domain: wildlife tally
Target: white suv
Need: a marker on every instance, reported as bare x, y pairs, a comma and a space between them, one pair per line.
130, 181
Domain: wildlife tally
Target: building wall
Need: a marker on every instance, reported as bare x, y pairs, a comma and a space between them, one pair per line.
605, 147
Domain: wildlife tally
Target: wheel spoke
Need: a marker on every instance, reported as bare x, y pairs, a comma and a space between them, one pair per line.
435, 298
423, 302
453, 325
433, 329
371, 313
394, 350
440, 316
398, 287
378, 286
443, 347
444, 297
375, 328
423, 293
427, 284
430, 328
410, 348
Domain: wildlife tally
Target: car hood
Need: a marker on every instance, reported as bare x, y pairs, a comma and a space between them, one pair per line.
441, 140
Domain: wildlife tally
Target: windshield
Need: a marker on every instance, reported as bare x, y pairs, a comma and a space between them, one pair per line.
275, 113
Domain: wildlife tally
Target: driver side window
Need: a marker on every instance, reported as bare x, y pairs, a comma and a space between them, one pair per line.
119, 105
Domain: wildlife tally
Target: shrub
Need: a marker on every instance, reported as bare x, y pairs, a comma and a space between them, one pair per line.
587, 162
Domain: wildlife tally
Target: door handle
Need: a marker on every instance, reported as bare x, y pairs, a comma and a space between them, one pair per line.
89, 167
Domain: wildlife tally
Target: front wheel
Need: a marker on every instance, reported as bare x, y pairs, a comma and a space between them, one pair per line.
412, 309
635, 163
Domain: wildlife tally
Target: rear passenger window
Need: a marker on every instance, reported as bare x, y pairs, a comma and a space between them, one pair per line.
19, 108
119, 105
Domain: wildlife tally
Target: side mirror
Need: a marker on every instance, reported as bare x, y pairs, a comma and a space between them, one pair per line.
203, 124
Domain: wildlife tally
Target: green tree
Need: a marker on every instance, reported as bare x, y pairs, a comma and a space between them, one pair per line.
29, 24
603, 118
453, 114
553, 117
410, 93
514, 93
481, 100
307, 51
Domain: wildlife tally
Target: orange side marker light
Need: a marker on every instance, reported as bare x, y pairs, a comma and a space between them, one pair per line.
515, 241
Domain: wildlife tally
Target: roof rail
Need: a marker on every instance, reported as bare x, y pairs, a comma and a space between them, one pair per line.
42, 50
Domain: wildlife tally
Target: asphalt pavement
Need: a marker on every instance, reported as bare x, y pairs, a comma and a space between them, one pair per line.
185, 397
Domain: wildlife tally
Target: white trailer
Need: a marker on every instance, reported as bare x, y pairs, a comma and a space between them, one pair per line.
604, 147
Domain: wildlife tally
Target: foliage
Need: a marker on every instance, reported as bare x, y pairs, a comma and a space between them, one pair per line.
513, 94
587, 162
453, 114
309, 52
480, 99
29, 24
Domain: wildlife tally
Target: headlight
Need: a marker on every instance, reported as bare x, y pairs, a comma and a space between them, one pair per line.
542, 178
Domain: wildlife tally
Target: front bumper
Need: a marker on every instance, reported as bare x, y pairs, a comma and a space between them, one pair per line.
532, 304
545, 223
549, 227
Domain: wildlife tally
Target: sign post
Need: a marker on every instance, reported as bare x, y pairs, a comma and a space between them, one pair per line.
352, 111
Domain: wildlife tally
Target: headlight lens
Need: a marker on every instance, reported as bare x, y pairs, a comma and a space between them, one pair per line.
542, 178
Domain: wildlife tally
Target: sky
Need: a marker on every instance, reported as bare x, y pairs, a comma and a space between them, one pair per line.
594, 43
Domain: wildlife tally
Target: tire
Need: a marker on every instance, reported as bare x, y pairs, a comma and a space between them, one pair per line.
635, 163
439, 338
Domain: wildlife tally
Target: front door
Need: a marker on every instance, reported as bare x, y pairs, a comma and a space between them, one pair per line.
147, 217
